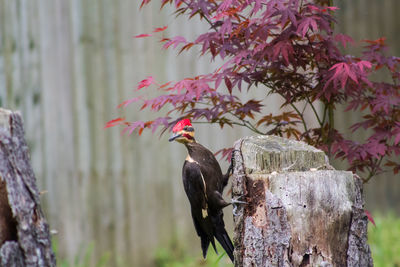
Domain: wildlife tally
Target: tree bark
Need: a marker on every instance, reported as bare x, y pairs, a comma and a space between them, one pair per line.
300, 211
24, 232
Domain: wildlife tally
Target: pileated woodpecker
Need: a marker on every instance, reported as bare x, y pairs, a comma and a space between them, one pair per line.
204, 182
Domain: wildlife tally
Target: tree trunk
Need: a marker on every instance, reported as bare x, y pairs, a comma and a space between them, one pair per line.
24, 233
300, 211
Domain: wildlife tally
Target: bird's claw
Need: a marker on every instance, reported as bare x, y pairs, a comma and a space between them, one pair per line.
236, 201
235, 205
234, 211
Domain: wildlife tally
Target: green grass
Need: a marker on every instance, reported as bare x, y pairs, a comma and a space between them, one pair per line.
176, 256
83, 259
384, 240
172, 256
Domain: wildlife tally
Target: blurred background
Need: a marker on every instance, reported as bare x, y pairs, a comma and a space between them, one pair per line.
118, 200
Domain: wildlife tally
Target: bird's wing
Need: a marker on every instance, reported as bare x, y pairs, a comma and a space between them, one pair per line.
195, 188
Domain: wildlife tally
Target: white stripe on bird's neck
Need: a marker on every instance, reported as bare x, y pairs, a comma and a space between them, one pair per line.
189, 159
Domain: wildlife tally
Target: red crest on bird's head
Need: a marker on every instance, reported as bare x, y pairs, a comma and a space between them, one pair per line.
181, 124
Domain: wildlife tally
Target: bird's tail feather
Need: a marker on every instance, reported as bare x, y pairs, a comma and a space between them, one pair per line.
205, 242
213, 244
225, 241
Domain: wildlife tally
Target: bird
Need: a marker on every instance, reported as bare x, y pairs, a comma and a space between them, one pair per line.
204, 182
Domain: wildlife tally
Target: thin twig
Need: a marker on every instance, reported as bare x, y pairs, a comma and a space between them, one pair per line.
315, 112
301, 116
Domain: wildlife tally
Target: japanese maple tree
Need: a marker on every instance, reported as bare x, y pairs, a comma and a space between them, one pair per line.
289, 48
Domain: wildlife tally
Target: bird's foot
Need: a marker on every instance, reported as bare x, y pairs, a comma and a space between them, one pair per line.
234, 211
235, 202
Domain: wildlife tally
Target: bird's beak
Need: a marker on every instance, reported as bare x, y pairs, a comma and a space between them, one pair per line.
174, 136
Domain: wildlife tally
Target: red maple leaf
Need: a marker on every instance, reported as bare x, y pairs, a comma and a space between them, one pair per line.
142, 35
114, 122
146, 82
369, 216
160, 29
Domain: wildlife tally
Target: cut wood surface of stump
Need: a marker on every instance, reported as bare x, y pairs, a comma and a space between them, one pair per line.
300, 211
24, 232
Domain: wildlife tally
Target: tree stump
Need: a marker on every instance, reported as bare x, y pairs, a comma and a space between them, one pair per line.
300, 211
24, 233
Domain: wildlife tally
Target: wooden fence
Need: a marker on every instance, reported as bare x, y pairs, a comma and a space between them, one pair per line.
372, 19
67, 64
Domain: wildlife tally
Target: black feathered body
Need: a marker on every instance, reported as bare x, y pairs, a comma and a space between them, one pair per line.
204, 183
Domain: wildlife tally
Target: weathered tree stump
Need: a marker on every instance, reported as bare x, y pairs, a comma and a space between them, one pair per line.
24, 233
300, 211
